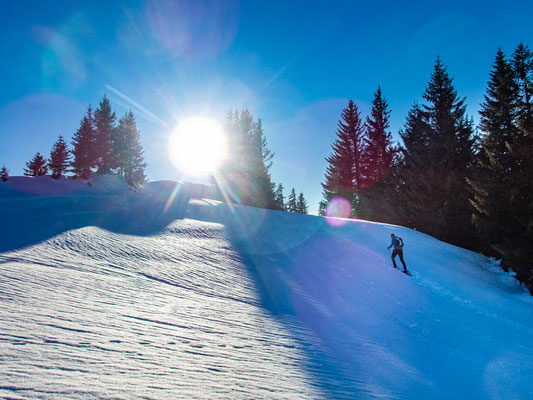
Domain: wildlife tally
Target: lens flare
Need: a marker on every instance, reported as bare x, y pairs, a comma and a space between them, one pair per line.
198, 146
338, 208
191, 29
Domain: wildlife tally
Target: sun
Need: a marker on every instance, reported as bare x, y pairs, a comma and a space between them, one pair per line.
198, 146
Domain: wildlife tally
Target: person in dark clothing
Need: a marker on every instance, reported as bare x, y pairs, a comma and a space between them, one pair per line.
397, 243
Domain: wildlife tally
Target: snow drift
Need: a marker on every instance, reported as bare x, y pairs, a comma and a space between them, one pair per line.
110, 293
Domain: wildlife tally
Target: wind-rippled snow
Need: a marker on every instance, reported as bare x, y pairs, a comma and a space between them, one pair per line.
96, 314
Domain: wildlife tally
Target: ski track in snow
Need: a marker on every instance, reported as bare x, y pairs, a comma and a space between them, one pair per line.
237, 302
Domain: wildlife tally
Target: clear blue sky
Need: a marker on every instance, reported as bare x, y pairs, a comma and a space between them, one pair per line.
294, 64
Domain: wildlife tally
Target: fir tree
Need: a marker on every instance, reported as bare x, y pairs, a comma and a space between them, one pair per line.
435, 194
37, 166
83, 147
377, 194
4, 174
104, 122
301, 205
279, 198
59, 158
292, 204
128, 152
344, 173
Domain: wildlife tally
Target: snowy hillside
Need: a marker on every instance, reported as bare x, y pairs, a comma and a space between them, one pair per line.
110, 293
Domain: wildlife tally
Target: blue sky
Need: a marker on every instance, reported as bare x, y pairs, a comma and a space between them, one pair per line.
294, 64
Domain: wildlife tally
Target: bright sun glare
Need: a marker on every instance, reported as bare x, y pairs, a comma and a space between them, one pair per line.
198, 146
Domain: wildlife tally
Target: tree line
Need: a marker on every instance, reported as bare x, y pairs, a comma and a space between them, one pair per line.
100, 145
472, 188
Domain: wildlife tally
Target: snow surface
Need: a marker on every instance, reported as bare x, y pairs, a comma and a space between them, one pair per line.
110, 293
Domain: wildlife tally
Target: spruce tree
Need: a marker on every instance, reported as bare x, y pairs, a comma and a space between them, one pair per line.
522, 66
344, 173
128, 152
301, 205
435, 195
260, 159
516, 248
37, 166
59, 158
4, 174
245, 177
418, 204
84, 156
292, 204
234, 176
104, 122
493, 180
377, 194
279, 198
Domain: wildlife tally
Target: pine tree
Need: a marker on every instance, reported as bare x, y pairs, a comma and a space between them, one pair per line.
83, 147
128, 152
301, 205
37, 166
279, 198
59, 158
4, 174
344, 173
434, 191
292, 204
104, 122
378, 192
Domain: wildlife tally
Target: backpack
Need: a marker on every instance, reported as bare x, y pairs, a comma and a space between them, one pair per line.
398, 242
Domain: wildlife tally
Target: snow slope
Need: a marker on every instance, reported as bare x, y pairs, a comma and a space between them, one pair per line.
108, 293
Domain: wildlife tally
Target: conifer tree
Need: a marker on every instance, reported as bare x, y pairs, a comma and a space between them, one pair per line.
279, 198
418, 203
522, 66
84, 156
301, 205
260, 158
344, 173
234, 174
59, 158
502, 186
292, 204
104, 122
245, 177
377, 195
516, 246
434, 194
37, 166
4, 174
493, 180
128, 152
